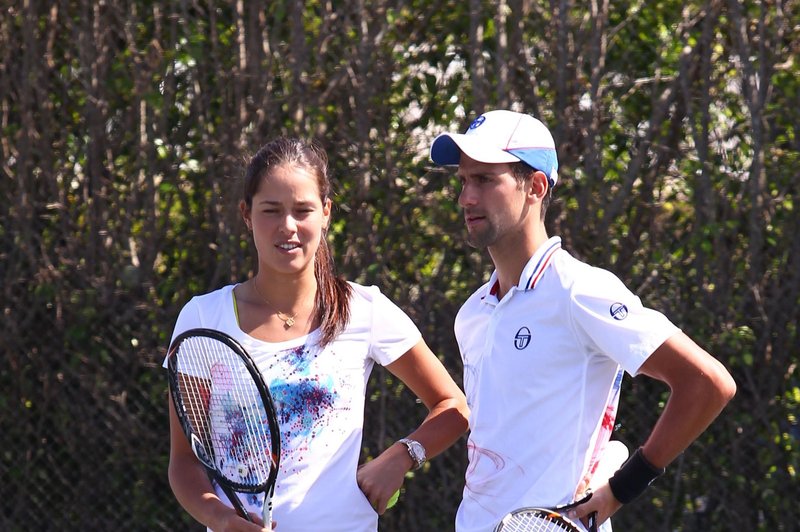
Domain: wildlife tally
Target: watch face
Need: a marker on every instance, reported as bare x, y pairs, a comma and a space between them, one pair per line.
417, 451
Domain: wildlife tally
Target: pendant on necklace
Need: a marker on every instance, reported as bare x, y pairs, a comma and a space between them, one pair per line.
287, 320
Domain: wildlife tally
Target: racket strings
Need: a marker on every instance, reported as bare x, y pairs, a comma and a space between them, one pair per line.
536, 521
227, 410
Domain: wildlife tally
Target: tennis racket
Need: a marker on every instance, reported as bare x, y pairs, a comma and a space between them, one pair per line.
227, 414
531, 519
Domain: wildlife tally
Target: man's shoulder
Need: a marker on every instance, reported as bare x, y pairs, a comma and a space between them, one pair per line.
472, 303
477, 295
575, 271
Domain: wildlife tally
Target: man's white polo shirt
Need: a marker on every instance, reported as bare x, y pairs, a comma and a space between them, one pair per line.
540, 370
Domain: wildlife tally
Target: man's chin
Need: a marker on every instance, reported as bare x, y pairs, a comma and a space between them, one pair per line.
477, 241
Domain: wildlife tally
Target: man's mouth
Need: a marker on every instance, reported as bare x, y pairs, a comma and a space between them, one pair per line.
473, 219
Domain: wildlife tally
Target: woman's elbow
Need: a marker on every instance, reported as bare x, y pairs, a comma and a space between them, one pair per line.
461, 413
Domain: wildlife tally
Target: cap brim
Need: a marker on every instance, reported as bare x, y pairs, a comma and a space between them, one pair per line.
447, 148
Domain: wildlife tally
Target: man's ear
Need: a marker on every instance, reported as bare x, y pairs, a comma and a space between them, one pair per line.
539, 186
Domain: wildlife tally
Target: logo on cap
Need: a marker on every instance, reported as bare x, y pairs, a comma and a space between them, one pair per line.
618, 311
477, 122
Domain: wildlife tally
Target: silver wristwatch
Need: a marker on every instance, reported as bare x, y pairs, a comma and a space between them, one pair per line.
415, 450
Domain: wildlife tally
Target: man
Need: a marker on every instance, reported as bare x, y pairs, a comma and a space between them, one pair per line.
544, 340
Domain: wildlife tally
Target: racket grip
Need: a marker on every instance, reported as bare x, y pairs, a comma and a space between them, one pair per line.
237, 504
268, 513
592, 522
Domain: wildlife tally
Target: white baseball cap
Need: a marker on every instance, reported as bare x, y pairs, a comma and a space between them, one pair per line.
501, 137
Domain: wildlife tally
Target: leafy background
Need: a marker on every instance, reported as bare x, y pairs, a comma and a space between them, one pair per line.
125, 127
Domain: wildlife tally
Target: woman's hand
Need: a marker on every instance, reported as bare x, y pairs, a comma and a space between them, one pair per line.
380, 478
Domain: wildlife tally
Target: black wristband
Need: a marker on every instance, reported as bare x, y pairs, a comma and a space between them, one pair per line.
633, 477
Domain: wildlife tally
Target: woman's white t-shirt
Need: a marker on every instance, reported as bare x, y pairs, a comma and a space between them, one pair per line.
319, 398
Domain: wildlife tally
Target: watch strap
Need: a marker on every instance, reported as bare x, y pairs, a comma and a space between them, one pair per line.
415, 450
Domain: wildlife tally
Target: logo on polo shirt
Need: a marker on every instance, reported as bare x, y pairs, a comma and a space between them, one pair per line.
618, 311
522, 338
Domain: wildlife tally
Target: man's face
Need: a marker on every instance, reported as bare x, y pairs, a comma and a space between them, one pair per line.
493, 201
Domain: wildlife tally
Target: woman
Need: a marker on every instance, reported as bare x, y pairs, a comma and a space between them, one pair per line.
315, 337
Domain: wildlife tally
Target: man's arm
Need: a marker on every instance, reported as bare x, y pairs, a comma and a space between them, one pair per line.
700, 387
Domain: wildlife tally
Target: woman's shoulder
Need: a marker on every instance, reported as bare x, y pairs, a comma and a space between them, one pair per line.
212, 298
370, 293
207, 310
362, 291
369, 296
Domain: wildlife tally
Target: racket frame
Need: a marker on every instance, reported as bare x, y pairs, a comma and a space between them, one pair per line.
554, 515
205, 455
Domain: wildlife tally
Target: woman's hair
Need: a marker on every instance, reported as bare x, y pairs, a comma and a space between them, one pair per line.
332, 302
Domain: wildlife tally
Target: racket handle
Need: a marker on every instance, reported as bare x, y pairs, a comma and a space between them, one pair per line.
237, 504
268, 512
592, 520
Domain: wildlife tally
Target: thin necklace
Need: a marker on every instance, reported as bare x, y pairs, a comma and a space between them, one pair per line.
287, 320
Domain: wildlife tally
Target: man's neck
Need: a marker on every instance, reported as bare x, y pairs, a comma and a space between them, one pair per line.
512, 255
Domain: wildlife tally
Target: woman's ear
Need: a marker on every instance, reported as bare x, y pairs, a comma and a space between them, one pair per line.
327, 205
246, 215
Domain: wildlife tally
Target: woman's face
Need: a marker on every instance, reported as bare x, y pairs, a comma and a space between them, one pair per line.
287, 220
